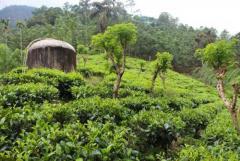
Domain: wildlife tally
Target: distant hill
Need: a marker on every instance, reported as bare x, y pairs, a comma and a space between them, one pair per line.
16, 13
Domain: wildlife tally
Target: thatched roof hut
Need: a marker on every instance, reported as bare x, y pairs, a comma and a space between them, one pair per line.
51, 53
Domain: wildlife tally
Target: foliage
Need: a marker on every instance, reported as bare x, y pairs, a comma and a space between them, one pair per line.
90, 91
219, 54
12, 95
197, 119
155, 129
221, 131
115, 42
203, 153
9, 59
97, 109
138, 103
92, 126
85, 143
116, 39
76, 24
70, 117
161, 64
81, 49
163, 61
63, 82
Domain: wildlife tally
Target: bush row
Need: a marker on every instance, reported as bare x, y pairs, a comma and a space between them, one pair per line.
154, 128
221, 131
207, 153
198, 118
63, 82
90, 142
12, 95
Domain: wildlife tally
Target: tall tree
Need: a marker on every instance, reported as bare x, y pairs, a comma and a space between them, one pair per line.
106, 11
220, 56
9, 59
21, 26
162, 63
84, 12
5, 23
205, 36
225, 35
115, 42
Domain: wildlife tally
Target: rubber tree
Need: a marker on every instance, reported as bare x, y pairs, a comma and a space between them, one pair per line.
162, 63
21, 26
5, 23
220, 56
83, 50
115, 41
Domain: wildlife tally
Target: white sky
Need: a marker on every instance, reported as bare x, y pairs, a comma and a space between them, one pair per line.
220, 14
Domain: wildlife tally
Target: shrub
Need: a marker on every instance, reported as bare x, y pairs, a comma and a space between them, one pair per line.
95, 141
97, 109
203, 98
13, 122
58, 113
90, 91
88, 72
18, 95
178, 103
143, 102
197, 119
221, 131
126, 92
20, 78
155, 129
63, 82
203, 153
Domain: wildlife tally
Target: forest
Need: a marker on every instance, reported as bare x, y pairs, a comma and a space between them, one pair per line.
142, 89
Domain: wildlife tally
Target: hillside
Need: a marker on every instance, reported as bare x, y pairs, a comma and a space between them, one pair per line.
48, 115
15, 13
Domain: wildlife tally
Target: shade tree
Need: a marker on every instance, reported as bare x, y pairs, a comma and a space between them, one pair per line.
162, 63
220, 56
115, 41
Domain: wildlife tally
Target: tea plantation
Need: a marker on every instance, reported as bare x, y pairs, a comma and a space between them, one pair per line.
49, 115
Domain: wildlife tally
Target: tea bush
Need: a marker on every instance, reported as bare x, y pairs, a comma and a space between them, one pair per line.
138, 103
88, 72
18, 95
203, 153
90, 91
63, 82
154, 128
221, 131
63, 116
95, 141
197, 119
97, 109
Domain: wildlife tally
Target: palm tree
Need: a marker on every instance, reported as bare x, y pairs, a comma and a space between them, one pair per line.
105, 11
20, 26
5, 23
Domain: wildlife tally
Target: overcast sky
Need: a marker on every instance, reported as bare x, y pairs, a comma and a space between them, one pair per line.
220, 14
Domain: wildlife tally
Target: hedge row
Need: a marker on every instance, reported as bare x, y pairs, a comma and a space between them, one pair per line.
62, 81
12, 95
198, 118
93, 141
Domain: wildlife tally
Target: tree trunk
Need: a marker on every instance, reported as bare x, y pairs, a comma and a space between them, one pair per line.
153, 80
163, 78
234, 115
117, 85
221, 93
230, 105
21, 42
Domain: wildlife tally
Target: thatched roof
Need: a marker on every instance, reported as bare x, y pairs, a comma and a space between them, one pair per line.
49, 42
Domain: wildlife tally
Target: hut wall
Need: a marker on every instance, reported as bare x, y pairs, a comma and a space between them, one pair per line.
52, 57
